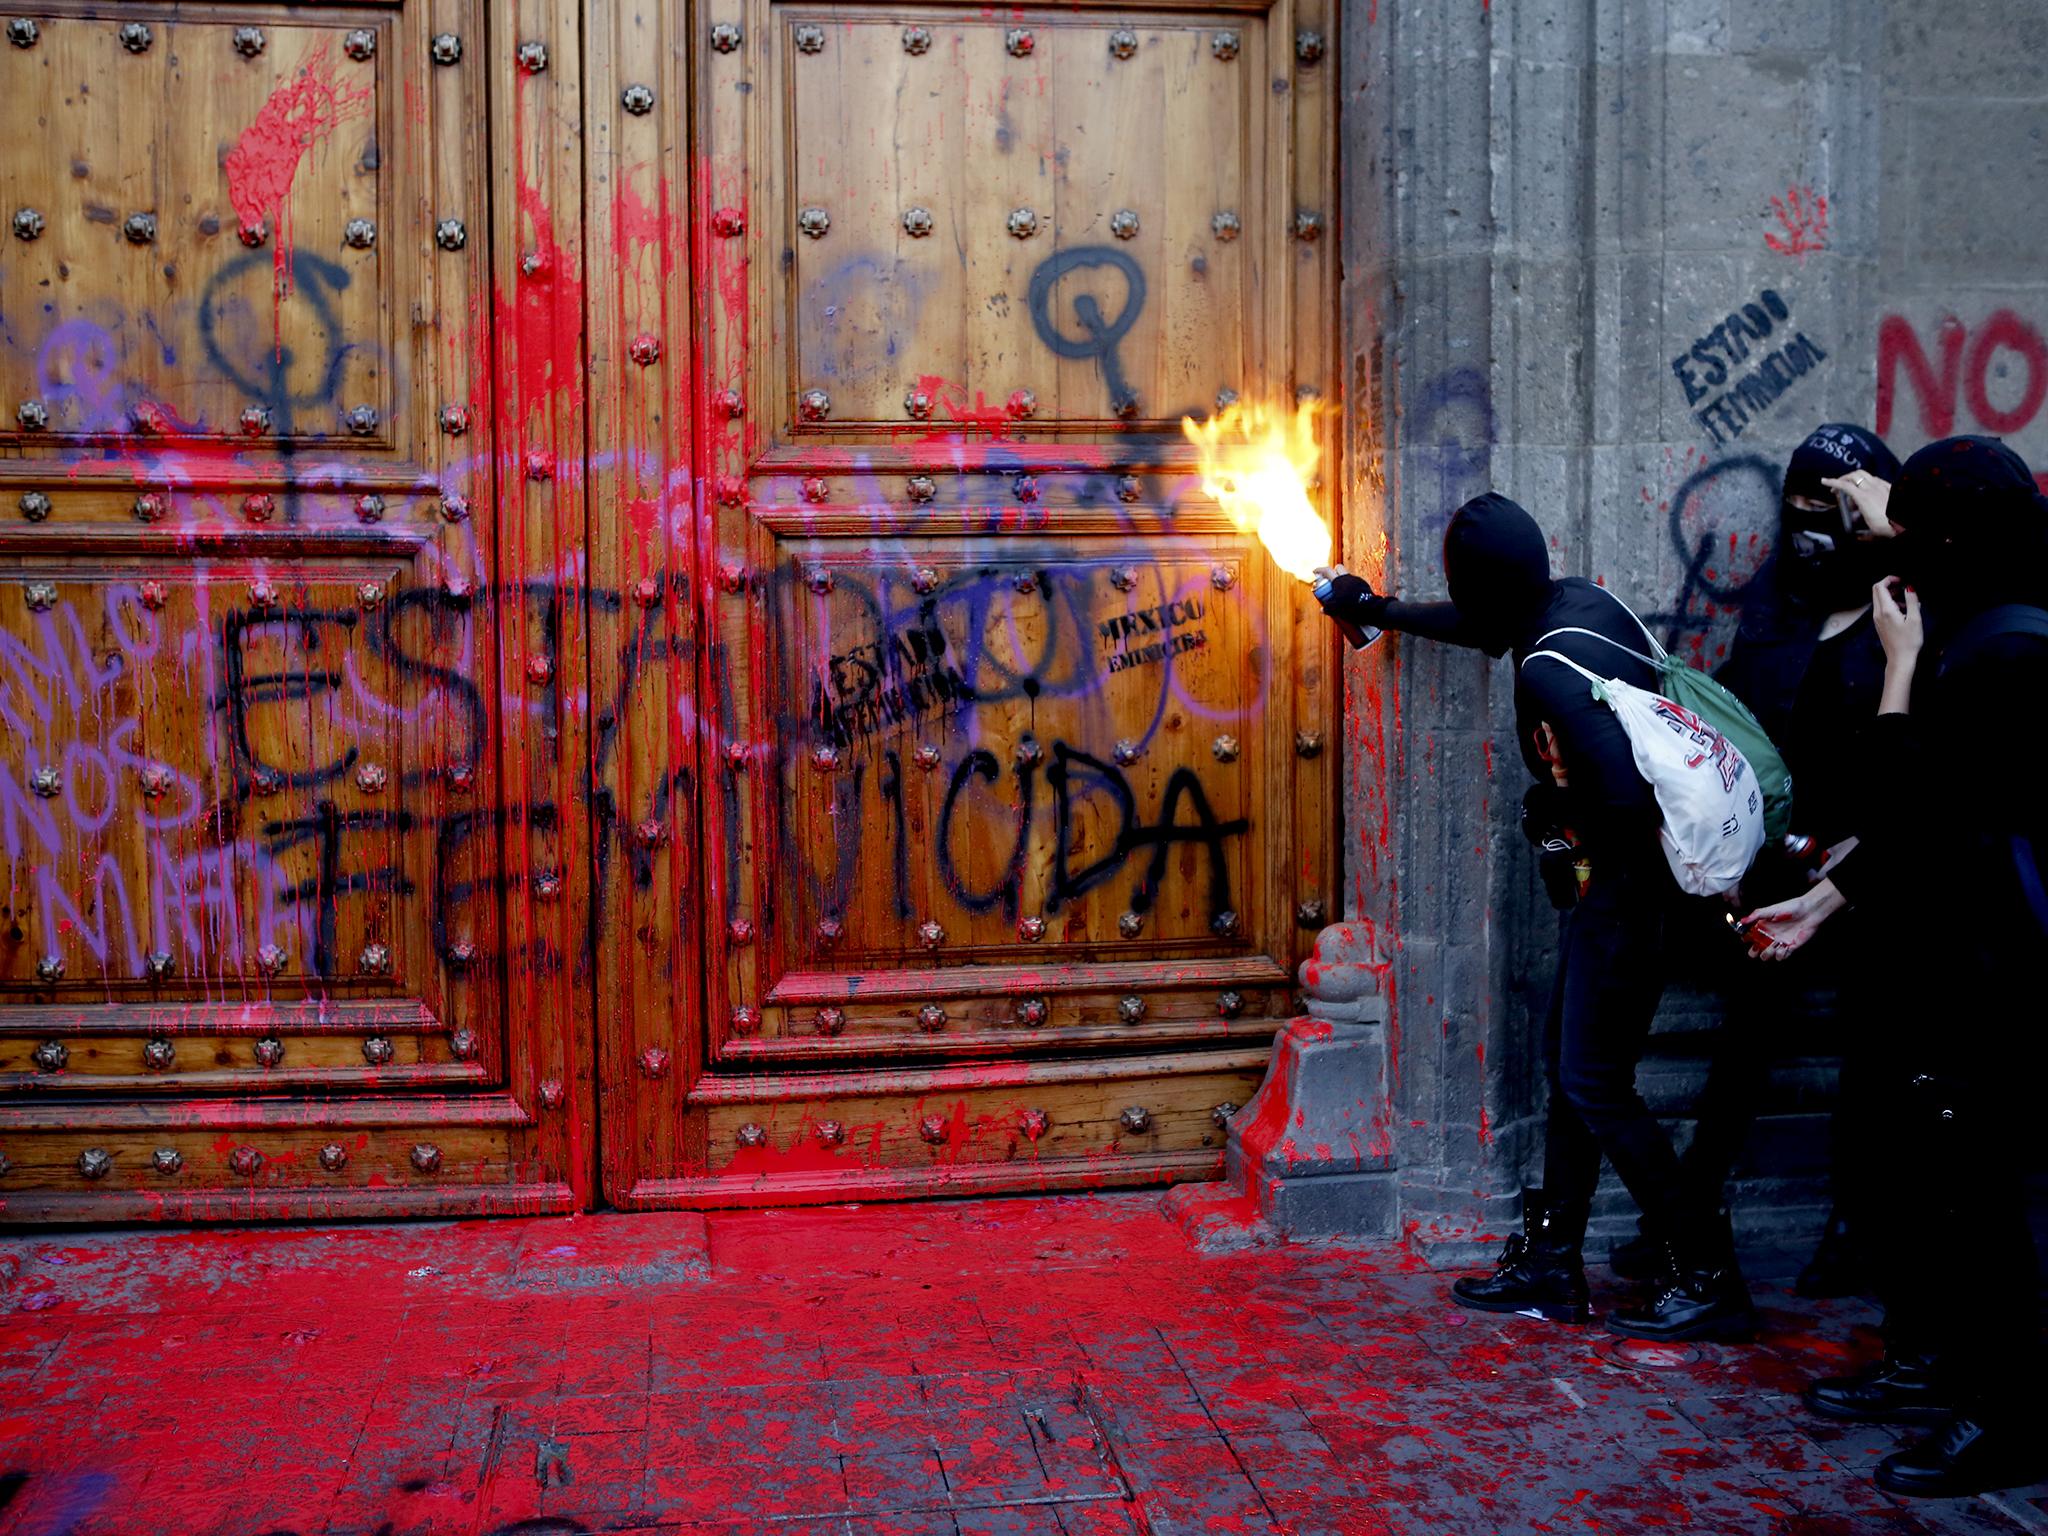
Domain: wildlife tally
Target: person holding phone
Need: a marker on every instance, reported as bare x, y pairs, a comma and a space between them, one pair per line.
1950, 869
1596, 820
1807, 661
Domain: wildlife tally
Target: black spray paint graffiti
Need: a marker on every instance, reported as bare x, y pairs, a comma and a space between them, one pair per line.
406, 635
399, 635
1725, 348
1099, 337
951, 629
1074, 779
1722, 518
932, 653
315, 283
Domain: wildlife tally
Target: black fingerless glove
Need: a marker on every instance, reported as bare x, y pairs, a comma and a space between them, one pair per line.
1353, 600
1558, 864
1543, 813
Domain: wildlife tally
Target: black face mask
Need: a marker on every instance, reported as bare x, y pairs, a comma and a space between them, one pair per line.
1826, 562
1822, 564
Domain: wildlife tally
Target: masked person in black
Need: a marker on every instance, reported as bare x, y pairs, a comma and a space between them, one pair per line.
1590, 808
1951, 868
1807, 661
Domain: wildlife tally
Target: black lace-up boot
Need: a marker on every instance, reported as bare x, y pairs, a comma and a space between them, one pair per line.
1966, 1455
1541, 1271
1895, 1389
1700, 1296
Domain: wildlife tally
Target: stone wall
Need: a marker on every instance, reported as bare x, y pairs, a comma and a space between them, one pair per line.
1614, 258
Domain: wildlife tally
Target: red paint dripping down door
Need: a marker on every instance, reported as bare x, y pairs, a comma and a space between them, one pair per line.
1008, 745
290, 606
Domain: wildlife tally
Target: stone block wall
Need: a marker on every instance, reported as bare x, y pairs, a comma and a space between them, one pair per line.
1615, 258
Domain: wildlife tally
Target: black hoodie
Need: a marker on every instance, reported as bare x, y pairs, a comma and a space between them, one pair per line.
1497, 566
1960, 825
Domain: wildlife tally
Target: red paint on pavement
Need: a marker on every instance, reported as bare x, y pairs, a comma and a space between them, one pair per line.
1038, 1365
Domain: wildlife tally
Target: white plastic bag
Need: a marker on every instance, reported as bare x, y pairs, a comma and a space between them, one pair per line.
1713, 810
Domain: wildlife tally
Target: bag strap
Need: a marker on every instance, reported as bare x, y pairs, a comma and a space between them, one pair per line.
2007, 619
1599, 683
1656, 650
1654, 663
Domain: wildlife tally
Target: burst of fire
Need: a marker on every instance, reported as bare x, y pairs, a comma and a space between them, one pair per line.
1257, 460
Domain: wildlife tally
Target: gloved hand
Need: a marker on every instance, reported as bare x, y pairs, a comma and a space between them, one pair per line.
1558, 864
1557, 856
1351, 598
1543, 814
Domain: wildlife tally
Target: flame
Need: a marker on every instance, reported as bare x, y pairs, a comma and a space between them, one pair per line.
1257, 461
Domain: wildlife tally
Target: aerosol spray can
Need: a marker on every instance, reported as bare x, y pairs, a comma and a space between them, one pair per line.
1360, 637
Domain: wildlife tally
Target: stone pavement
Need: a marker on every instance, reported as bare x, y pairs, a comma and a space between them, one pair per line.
1060, 1366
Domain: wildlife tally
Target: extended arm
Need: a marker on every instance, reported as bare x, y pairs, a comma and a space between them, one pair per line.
1353, 600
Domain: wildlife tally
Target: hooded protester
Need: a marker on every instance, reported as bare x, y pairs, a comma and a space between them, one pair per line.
1952, 861
1596, 819
1807, 661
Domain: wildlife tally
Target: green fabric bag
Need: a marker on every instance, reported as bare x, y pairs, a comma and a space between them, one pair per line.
1705, 697
1696, 691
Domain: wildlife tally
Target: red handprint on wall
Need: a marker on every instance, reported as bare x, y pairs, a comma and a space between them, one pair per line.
1803, 216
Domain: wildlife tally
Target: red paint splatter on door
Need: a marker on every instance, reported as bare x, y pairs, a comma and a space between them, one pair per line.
301, 113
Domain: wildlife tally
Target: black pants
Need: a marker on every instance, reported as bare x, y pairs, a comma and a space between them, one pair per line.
1764, 1006
1960, 1275
1610, 975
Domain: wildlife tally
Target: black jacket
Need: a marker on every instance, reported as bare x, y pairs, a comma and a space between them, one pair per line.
1814, 698
1954, 856
1503, 599
1959, 825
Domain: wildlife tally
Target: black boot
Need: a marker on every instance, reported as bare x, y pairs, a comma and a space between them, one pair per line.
1966, 1456
1836, 1267
1639, 1258
1700, 1296
1897, 1388
1541, 1271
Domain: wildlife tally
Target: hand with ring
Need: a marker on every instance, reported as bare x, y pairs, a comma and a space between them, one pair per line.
1871, 496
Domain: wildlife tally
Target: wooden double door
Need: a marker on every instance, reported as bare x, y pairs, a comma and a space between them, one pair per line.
609, 603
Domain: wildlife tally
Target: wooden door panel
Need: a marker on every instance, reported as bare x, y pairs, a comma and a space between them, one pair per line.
1009, 737
1019, 168
1013, 753
249, 695
217, 761
168, 245
1051, 1125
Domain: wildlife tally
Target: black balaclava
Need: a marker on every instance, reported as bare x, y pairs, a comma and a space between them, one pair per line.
1973, 527
1498, 568
1822, 563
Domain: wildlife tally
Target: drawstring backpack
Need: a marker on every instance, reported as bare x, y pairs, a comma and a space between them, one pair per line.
1709, 763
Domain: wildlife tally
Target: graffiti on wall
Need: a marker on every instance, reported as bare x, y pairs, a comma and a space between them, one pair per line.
1740, 380
1955, 376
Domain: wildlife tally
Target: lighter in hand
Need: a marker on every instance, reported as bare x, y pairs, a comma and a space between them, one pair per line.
1360, 637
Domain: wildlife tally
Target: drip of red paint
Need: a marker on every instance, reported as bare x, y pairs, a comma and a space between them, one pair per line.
300, 113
